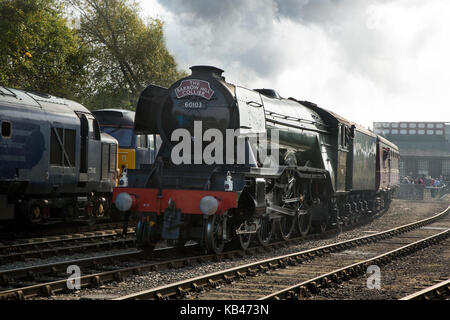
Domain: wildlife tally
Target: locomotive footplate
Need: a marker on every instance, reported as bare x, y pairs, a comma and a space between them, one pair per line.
187, 201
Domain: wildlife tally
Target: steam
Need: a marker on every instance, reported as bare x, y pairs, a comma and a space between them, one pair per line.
374, 60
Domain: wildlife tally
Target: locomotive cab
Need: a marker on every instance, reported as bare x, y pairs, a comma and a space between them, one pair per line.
134, 150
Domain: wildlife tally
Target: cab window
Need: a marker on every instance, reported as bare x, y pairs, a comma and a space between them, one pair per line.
344, 136
141, 141
151, 141
123, 135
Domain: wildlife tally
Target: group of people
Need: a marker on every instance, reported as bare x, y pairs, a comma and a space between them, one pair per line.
434, 184
423, 180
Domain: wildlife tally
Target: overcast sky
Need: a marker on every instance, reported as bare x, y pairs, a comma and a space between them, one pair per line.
368, 60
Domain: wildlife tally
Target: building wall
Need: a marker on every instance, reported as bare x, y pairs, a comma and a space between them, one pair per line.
424, 146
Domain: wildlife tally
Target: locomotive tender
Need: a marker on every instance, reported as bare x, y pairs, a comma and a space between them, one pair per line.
55, 162
321, 170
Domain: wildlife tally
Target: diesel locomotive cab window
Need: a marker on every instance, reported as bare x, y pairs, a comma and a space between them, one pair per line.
69, 147
151, 141
123, 135
6, 129
94, 129
141, 141
62, 147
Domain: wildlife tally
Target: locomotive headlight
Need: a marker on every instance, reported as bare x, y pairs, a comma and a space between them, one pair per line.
124, 201
209, 205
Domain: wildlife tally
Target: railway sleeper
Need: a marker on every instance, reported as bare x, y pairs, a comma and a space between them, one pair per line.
228, 279
96, 282
47, 290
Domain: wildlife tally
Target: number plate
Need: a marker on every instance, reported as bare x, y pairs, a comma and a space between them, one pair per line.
194, 105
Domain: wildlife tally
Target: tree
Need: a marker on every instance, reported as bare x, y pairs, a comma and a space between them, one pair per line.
128, 54
38, 50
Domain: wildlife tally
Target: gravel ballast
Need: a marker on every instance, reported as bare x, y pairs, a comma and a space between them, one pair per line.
401, 212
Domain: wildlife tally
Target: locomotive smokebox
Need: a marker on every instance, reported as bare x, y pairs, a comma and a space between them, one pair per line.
203, 96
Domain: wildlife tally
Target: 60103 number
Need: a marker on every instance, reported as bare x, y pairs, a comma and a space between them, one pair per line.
194, 105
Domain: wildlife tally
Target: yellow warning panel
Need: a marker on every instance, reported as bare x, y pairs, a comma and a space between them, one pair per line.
127, 158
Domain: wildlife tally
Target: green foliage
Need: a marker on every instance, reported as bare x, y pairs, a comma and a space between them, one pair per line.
38, 50
127, 54
106, 61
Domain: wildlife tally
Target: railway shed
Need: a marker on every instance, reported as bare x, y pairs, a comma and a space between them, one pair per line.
424, 147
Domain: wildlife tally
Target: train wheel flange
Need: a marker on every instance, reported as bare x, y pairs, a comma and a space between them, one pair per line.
244, 240
265, 231
286, 226
304, 223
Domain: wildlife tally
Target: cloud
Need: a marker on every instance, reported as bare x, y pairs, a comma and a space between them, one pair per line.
374, 60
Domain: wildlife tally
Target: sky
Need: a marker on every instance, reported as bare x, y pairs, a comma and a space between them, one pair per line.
367, 60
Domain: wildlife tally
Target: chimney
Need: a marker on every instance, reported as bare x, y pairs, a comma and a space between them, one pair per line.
207, 71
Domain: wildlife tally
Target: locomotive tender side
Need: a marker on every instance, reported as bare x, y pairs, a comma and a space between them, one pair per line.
301, 167
53, 159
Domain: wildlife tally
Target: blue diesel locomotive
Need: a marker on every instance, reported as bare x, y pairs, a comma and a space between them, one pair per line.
56, 165
134, 149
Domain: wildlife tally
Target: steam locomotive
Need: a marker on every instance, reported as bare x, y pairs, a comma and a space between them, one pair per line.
56, 165
239, 165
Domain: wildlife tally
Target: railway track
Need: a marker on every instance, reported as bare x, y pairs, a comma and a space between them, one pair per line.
296, 275
37, 234
437, 291
402, 277
51, 279
42, 247
48, 279
66, 244
34, 281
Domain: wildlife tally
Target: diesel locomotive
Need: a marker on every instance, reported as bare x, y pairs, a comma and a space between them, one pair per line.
238, 166
56, 165
134, 149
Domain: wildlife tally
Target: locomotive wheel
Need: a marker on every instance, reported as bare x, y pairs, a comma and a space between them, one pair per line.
265, 231
286, 227
304, 223
143, 237
89, 214
214, 234
339, 219
244, 240
290, 190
